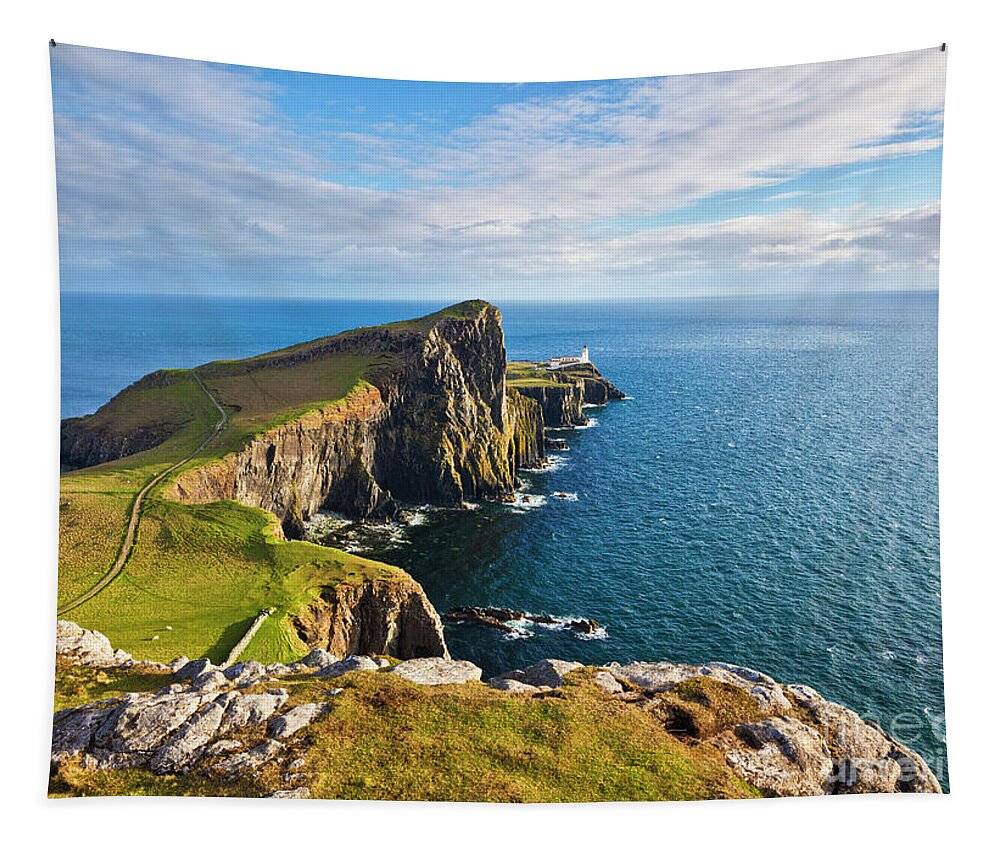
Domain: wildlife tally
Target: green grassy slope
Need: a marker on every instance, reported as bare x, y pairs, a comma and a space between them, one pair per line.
204, 571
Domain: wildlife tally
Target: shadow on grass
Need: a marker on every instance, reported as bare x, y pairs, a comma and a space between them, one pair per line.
227, 641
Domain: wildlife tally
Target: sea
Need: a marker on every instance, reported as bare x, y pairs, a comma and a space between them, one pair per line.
767, 495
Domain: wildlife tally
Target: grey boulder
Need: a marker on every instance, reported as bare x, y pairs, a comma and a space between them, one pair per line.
437, 671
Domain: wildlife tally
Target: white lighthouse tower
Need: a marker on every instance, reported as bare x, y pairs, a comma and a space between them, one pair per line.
585, 355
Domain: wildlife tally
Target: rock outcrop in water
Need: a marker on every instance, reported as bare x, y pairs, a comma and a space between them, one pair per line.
235, 722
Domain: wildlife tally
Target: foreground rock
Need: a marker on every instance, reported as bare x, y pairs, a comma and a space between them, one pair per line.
805, 745
437, 672
548, 673
785, 740
87, 647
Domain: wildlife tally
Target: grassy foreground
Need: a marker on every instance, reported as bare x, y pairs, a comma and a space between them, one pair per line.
388, 739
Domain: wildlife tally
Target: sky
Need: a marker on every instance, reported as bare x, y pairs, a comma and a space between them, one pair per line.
177, 176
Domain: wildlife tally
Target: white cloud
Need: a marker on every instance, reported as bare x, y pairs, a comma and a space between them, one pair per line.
169, 170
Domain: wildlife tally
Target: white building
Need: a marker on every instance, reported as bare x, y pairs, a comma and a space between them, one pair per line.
569, 360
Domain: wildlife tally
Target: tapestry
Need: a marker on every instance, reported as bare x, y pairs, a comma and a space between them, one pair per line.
530, 442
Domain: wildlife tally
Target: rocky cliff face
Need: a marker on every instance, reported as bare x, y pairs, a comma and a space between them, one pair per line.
435, 426
529, 431
561, 402
597, 390
323, 458
563, 397
383, 617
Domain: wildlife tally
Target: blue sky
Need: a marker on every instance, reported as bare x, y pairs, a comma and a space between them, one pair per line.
194, 177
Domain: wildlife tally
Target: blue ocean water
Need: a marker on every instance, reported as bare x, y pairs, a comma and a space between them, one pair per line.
766, 496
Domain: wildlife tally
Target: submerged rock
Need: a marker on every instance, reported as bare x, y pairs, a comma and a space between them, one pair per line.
506, 620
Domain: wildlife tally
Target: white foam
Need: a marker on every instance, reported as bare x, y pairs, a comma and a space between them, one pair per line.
567, 497
551, 464
526, 501
562, 624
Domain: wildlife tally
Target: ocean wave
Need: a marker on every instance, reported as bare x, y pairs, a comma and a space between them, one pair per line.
526, 501
563, 623
566, 497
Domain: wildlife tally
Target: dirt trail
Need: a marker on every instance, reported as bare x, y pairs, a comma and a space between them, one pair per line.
133, 522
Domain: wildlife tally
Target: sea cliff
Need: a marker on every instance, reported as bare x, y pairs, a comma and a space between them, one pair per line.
562, 394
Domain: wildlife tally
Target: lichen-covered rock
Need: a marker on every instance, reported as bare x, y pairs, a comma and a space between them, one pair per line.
663, 676
244, 673
297, 792
345, 666
195, 668
866, 758
319, 658
295, 719
87, 646
606, 681
548, 673
248, 709
437, 671
179, 752
212, 680
781, 756
242, 763
512, 686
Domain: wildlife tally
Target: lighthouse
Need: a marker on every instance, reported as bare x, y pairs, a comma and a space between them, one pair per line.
585, 355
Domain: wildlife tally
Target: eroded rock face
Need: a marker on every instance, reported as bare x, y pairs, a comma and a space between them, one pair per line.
391, 617
435, 427
561, 403
529, 431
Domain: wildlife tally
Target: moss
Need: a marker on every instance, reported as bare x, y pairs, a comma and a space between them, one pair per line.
79, 684
701, 707
74, 780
